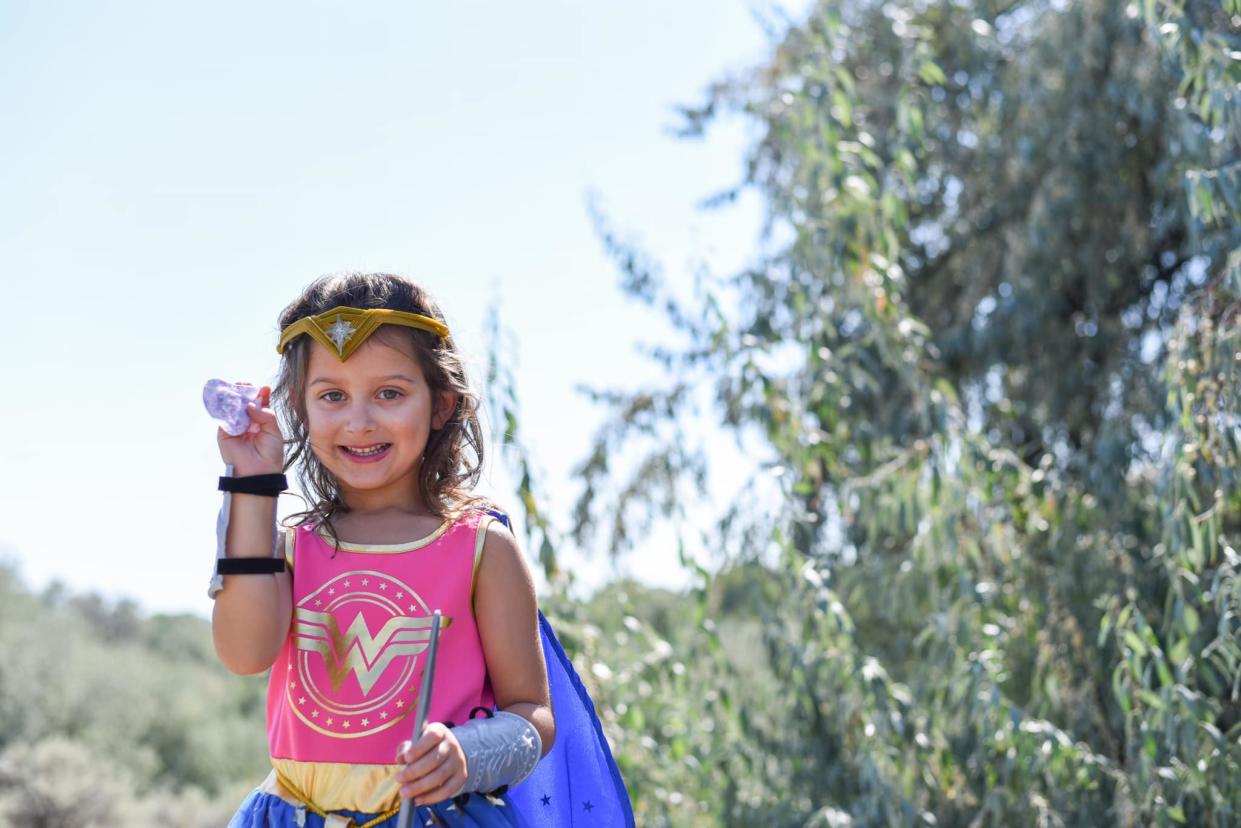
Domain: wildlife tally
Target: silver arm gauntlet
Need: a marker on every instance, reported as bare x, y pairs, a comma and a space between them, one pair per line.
221, 532
501, 750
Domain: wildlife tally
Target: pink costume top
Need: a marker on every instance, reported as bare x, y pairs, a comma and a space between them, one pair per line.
343, 692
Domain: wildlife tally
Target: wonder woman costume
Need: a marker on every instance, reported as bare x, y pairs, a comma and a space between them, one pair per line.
341, 693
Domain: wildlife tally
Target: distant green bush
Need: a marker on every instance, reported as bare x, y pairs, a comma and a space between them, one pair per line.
115, 718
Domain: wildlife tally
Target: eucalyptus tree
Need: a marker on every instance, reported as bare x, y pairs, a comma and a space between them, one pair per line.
1002, 259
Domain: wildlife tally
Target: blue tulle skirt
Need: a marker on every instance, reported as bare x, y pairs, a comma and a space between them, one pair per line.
266, 810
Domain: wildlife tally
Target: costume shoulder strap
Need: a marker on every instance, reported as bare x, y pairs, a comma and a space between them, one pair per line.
289, 545
480, 537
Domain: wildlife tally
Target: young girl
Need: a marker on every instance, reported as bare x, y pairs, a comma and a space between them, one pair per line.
381, 423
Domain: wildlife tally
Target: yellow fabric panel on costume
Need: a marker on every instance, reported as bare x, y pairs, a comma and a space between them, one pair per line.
338, 786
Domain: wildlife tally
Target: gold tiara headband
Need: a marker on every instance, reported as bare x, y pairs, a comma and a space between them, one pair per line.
343, 329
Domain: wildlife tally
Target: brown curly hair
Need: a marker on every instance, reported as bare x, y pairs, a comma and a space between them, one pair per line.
453, 460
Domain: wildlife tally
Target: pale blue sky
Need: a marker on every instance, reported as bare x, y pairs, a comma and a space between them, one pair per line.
172, 174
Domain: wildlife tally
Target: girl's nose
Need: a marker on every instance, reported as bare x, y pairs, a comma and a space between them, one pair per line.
360, 419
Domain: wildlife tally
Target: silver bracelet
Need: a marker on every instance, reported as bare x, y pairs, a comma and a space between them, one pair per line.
501, 750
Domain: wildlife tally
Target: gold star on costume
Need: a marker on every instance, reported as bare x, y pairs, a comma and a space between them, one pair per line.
343, 329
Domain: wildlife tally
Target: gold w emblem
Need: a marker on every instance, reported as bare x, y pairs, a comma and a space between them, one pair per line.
356, 650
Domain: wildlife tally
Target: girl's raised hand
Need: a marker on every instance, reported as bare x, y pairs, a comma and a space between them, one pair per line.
434, 766
260, 449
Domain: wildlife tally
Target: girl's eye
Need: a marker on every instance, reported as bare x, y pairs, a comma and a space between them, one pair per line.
389, 394
332, 396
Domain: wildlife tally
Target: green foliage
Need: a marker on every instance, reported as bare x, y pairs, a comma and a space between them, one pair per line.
58, 782
108, 717
1002, 258
502, 401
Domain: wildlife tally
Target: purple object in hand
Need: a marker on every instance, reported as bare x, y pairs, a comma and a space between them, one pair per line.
226, 403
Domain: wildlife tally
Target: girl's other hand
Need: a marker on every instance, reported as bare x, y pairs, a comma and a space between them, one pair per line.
434, 766
260, 449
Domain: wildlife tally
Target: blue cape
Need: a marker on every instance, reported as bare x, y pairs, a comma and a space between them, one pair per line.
577, 782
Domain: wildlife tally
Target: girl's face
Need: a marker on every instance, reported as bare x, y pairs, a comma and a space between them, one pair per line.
369, 420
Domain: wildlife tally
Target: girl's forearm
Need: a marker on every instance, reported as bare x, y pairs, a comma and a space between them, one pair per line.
252, 612
539, 715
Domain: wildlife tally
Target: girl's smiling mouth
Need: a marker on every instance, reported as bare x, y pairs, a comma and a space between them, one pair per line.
365, 454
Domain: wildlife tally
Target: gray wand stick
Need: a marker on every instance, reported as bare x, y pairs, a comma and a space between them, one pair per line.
424, 702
